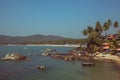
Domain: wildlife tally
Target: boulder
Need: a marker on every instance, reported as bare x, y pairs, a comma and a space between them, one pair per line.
14, 56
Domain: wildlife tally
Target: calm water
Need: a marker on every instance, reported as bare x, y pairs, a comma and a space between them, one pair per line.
57, 69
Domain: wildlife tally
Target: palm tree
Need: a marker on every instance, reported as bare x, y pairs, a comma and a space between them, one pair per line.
89, 29
105, 27
98, 28
84, 32
93, 39
116, 24
109, 23
93, 34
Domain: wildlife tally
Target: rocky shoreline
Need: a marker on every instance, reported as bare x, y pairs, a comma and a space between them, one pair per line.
75, 55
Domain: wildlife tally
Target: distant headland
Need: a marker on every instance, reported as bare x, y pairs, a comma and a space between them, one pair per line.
37, 40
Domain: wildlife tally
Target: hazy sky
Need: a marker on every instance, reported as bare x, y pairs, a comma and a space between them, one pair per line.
65, 18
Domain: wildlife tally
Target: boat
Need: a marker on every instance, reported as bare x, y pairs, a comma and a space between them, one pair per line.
42, 67
88, 64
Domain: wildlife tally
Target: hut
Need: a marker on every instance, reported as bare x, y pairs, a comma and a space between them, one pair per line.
106, 47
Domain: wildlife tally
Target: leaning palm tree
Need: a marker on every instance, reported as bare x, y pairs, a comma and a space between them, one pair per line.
116, 24
105, 27
89, 29
84, 32
98, 28
109, 23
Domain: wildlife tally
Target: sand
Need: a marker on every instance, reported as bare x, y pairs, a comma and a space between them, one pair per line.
66, 45
115, 59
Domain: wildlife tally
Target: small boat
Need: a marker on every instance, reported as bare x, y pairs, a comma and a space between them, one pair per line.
42, 67
88, 64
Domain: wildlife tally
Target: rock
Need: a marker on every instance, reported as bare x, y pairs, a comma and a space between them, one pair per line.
65, 58
14, 56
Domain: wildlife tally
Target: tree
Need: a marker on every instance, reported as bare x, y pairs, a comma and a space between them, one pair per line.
93, 40
109, 23
89, 29
93, 34
84, 32
116, 24
105, 27
98, 28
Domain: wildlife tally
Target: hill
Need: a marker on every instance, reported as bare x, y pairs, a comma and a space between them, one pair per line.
28, 39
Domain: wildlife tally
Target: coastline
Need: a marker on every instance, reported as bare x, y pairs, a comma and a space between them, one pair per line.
113, 58
67, 45
116, 62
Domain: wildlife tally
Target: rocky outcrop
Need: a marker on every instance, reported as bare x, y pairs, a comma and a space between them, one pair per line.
14, 56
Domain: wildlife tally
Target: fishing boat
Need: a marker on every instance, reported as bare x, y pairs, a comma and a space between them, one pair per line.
42, 67
88, 64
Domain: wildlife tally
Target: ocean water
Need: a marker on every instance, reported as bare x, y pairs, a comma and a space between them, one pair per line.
56, 69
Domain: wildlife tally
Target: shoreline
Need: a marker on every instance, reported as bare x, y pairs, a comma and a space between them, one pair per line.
67, 45
116, 62
113, 58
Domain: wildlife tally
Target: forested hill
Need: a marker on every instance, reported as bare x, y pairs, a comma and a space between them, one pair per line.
28, 39
35, 39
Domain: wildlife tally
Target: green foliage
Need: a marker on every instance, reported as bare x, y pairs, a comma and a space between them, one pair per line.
116, 24
105, 27
109, 22
84, 32
95, 38
98, 28
89, 29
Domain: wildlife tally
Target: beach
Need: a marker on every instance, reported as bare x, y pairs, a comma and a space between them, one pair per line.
115, 59
54, 45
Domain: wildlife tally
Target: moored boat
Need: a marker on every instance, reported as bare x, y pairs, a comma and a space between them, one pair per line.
42, 67
88, 64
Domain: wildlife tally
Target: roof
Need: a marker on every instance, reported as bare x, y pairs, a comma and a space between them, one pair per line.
105, 44
106, 47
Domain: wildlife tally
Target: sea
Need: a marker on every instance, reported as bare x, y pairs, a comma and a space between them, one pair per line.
57, 69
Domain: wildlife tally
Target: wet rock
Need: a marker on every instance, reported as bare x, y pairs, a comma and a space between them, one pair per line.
14, 56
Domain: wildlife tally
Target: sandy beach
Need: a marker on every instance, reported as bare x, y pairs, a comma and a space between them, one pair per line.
115, 59
62, 45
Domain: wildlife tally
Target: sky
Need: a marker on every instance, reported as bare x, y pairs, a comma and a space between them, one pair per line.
66, 18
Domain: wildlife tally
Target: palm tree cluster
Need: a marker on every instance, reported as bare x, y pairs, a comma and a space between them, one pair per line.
100, 28
94, 34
